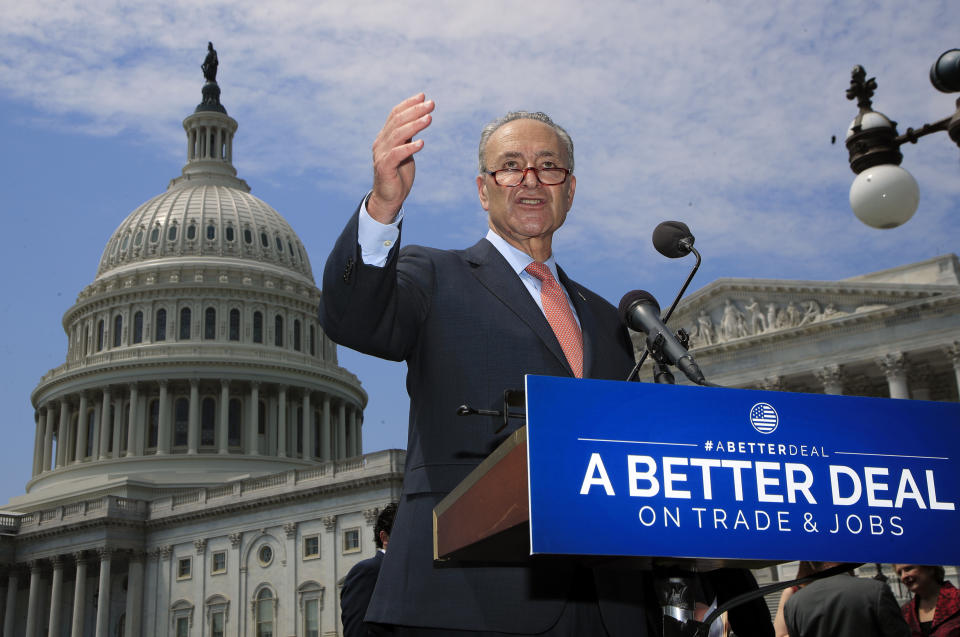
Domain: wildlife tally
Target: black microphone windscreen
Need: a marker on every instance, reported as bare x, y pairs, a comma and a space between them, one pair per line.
667, 236
631, 298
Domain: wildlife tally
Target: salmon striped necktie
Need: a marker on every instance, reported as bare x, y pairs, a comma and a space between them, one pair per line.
560, 316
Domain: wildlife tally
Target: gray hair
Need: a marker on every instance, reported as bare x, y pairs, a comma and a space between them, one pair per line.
490, 128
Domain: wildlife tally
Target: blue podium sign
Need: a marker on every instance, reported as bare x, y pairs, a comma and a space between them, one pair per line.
638, 469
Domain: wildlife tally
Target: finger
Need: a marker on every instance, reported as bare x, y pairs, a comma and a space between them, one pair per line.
389, 162
404, 116
405, 133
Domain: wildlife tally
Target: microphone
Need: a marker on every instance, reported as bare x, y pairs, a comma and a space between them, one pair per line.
673, 239
641, 313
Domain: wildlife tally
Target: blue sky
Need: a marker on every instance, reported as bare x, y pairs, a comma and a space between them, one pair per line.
715, 113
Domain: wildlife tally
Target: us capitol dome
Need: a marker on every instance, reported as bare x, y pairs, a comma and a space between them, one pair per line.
195, 356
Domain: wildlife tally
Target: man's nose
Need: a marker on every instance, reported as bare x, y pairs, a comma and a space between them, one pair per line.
530, 178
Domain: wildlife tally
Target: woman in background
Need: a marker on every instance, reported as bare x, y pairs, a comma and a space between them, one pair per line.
935, 607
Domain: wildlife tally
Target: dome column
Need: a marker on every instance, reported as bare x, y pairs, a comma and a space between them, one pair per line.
307, 424
117, 427
102, 436
282, 422
47, 437
81, 449
342, 430
193, 420
325, 429
163, 428
63, 436
133, 421
224, 424
38, 444
253, 430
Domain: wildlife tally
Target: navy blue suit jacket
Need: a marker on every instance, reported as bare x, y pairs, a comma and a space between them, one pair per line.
355, 595
468, 329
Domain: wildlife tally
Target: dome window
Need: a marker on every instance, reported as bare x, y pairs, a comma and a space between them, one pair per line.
192, 232
117, 329
172, 233
185, 324
211, 232
278, 331
264, 241
181, 422
126, 243
257, 327
234, 324
229, 233
210, 324
279, 245
161, 331
208, 411
155, 234
138, 238
247, 236
100, 335
138, 327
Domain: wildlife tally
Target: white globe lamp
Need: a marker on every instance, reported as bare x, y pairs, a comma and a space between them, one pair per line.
884, 196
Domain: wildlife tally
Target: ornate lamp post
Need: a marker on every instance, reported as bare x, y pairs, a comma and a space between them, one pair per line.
884, 195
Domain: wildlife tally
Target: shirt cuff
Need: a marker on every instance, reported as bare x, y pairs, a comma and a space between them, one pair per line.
376, 239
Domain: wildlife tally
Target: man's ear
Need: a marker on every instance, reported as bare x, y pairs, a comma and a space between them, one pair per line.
482, 192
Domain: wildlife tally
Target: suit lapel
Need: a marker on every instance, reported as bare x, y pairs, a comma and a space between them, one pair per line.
495, 274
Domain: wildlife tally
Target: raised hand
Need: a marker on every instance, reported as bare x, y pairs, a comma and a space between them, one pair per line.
393, 150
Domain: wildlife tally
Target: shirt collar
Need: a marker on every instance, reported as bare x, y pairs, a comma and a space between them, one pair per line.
518, 259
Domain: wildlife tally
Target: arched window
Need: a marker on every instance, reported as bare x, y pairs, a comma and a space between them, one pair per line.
211, 232
185, 324
208, 418
172, 233
161, 328
278, 331
234, 324
153, 427
99, 335
313, 341
264, 611
234, 422
210, 323
138, 327
229, 233
257, 327
296, 335
181, 422
192, 231
117, 329
247, 236
155, 234
264, 240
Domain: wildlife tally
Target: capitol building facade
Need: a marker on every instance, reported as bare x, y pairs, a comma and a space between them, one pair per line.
198, 465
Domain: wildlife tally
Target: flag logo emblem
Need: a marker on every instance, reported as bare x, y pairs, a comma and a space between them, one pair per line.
764, 418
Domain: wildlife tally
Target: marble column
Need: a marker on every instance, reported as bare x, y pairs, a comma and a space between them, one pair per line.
103, 431
33, 600
79, 595
103, 596
894, 366
307, 422
47, 437
355, 416
63, 435
38, 444
133, 422
831, 378
56, 597
117, 427
325, 430
251, 446
10, 614
163, 427
193, 419
282, 423
342, 430
223, 429
81, 449
134, 595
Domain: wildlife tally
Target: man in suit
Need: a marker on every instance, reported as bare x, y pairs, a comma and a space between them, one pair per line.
360, 580
470, 324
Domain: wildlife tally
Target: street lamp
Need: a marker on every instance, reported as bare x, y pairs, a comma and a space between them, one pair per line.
884, 195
